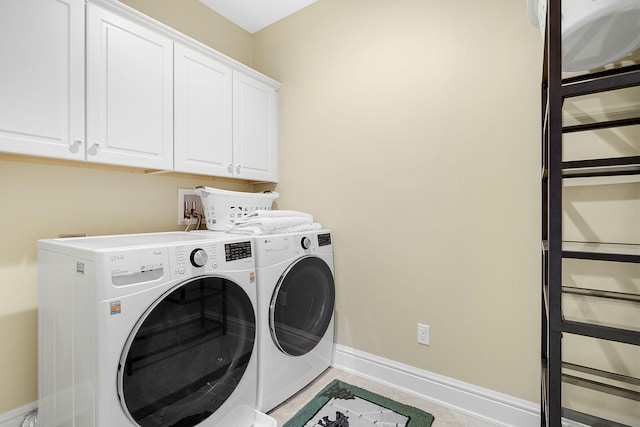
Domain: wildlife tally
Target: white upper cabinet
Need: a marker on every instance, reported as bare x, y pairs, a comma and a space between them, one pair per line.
42, 77
155, 99
225, 120
255, 129
202, 114
129, 92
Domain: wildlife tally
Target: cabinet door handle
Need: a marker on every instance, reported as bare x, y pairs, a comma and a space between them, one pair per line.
75, 145
93, 150
238, 168
230, 168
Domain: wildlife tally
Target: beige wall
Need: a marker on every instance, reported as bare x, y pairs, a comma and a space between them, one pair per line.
411, 128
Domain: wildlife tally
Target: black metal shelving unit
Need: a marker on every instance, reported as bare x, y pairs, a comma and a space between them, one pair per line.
555, 370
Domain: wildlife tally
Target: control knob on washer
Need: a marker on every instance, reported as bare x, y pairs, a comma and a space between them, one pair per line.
305, 242
199, 257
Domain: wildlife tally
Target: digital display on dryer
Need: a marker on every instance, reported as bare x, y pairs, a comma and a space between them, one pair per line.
237, 250
324, 239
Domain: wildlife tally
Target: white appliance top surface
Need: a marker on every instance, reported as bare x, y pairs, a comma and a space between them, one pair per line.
131, 240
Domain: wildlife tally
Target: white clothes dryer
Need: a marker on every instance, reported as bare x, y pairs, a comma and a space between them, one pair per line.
153, 329
296, 296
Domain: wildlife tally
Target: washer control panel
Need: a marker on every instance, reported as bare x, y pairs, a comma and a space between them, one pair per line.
208, 256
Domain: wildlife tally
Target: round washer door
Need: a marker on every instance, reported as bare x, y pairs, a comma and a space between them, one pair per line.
187, 353
302, 306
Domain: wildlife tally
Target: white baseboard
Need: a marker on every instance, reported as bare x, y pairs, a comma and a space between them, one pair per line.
14, 417
478, 402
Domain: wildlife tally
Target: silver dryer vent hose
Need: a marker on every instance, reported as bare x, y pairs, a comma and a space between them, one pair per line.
30, 420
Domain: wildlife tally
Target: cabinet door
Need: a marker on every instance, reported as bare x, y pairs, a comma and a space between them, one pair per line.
255, 129
202, 114
129, 92
42, 77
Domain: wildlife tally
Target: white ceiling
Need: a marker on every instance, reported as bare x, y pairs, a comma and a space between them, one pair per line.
253, 15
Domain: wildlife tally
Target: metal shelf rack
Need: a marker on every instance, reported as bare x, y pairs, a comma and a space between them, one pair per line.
555, 371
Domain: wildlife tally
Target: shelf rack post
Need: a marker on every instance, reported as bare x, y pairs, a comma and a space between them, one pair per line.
554, 89
552, 223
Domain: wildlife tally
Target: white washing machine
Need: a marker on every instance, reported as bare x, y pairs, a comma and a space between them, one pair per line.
296, 296
144, 330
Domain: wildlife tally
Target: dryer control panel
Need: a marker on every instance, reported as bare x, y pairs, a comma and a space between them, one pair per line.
273, 249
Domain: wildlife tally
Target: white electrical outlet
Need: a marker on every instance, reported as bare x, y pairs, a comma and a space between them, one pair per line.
190, 198
423, 334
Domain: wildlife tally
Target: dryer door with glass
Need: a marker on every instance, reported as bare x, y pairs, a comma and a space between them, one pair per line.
302, 306
187, 353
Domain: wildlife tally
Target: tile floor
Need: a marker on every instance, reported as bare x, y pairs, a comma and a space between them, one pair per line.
443, 417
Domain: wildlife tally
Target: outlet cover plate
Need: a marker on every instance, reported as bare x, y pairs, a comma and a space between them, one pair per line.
424, 334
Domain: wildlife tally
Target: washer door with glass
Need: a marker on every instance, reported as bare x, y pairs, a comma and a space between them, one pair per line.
302, 306
187, 353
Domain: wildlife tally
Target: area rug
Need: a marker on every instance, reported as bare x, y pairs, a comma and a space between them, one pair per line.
343, 405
